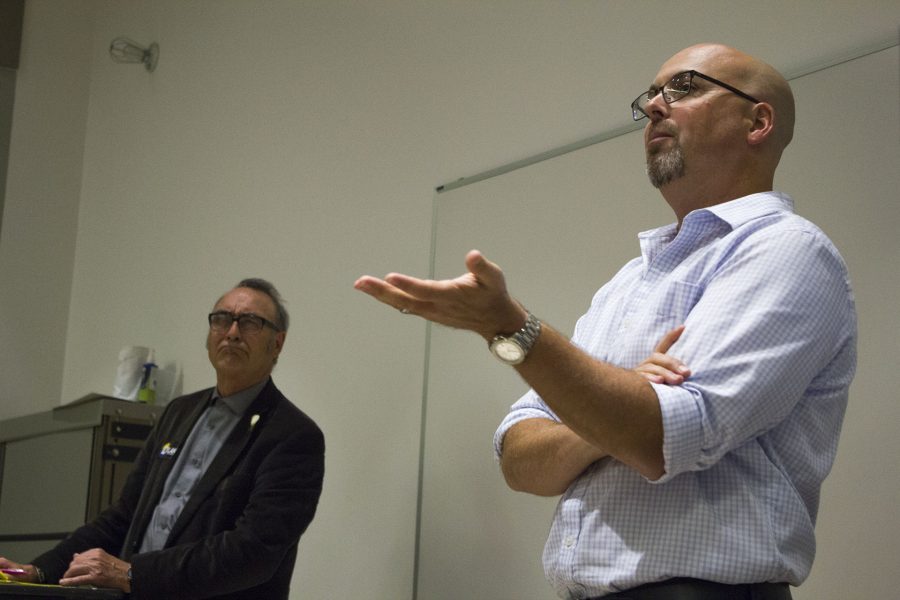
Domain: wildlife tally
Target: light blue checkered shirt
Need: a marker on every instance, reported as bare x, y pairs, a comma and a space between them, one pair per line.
771, 340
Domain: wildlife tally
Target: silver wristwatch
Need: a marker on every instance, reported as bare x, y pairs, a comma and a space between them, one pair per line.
513, 349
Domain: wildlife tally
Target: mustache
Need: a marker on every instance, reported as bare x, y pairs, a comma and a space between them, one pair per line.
229, 346
664, 128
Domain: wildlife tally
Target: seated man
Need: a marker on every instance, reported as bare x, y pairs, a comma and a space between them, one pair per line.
226, 484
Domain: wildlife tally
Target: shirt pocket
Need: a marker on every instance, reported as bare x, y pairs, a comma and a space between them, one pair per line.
676, 302
664, 309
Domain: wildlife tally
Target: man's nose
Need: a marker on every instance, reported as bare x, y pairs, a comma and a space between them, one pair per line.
234, 331
657, 108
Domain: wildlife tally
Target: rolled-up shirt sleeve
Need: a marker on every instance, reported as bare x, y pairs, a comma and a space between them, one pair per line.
529, 406
787, 340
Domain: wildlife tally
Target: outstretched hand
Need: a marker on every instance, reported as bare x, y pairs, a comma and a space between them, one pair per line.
659, 367
476, 300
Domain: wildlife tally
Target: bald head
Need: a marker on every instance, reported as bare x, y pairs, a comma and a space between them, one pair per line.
751, 75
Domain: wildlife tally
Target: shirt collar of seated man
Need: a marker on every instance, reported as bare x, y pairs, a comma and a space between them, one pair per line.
241, 356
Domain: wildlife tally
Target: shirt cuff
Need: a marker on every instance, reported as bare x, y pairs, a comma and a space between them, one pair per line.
682, 420
520, 413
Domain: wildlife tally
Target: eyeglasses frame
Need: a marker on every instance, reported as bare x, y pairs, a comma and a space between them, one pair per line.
636, 110
238, 317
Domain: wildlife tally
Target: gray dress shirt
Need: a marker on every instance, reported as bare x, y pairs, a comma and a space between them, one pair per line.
197, 453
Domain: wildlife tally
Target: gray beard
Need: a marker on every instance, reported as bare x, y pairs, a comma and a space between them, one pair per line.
664, 167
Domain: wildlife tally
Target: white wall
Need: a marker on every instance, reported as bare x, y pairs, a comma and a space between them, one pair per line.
37, 240
301, 141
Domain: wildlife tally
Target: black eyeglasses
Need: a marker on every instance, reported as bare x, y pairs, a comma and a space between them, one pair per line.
677, 88
221, 321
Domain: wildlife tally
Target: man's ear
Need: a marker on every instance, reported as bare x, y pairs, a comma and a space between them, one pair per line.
276, 344
763, 125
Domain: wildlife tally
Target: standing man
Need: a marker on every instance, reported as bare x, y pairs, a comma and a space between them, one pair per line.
226, 484
706, 488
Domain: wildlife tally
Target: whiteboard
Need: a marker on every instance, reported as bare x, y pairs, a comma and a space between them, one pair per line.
562, 227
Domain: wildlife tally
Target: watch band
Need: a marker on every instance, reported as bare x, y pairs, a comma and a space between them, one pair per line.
513, 349
529, 333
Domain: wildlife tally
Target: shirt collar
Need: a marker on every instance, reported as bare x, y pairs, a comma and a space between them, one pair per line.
238, 402
739, 211
733, 213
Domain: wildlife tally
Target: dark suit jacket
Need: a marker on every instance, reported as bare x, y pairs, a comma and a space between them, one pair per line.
237, 536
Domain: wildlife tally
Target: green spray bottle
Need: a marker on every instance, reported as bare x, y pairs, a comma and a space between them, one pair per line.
147, 390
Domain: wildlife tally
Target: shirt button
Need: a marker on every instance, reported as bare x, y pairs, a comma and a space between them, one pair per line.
569, 541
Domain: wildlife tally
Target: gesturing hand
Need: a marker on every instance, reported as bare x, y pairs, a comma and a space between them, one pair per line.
476, 300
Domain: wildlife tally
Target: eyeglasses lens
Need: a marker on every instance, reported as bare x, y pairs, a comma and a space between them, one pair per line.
674, 89
221, 322
677, 87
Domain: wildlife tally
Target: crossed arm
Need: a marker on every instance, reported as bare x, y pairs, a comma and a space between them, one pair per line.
605, 410
543, 457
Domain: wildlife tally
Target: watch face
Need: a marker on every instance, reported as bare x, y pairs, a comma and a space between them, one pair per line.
512, 349
508, 351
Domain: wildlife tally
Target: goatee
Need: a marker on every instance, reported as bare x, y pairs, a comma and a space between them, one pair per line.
665, 166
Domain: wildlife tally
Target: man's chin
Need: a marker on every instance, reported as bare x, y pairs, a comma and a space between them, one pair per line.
665, 167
